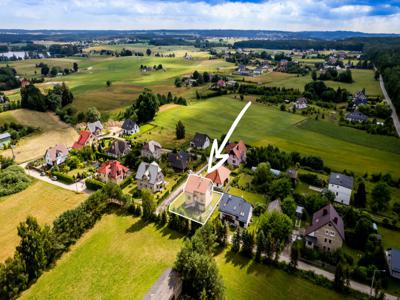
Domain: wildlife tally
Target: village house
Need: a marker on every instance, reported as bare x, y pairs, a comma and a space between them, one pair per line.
25, 83
151, 150
219, 177
200, 141
341, 185
112, 171
5, 140
356, 116
221, 83
150, 176
242, 70
235, 210
119, 148
95, 128
359, 99
274, 206
231, 83
393, 261
56, 155
130, 127
85, 138
293, 175
301, 103
258, 71
282, 65
198, 192
326, 232
178, 161
237, 153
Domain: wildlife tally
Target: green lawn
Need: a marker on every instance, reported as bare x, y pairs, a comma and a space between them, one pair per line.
390, 238
340, 147
245, 279
250, 197
120, 258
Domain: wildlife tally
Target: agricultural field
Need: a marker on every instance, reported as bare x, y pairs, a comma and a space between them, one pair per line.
52, 132
42, 200
263, 125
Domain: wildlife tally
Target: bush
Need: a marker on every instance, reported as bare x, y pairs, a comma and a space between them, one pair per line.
13, 180
312, 179
63, 177
93, 184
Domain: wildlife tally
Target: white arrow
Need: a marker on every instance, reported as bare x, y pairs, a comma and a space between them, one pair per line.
218, 151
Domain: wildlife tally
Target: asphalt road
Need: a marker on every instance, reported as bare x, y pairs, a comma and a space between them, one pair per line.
395, 117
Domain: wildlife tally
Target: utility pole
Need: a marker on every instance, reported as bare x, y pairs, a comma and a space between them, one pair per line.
373, 280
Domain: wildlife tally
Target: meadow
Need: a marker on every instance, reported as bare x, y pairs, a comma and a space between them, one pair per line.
42, 200
340, 147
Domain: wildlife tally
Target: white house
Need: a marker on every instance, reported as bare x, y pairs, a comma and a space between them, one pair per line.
341, 185
56, 155
130, 127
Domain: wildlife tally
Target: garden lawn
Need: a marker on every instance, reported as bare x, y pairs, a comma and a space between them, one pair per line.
250, 197
245, 279
42, 200
120, 258
263, 125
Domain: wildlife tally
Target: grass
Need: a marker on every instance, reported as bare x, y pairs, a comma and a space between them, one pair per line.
390, 238
52, 132
250, 197
120, 258
41, 200
339, 147
245, 279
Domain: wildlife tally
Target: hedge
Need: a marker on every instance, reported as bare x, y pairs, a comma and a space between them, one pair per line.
64, 177
93, 184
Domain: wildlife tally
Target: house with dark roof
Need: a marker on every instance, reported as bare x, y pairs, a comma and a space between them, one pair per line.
393, 261
341, 185
359, 99
130, 127
219, 177
326, 231
356, 116
85, 138
95, 128
235, 210
237, 153
119, 148
198, 192
151, 150
112, 171
200, 141
150, 176
179, 161
301, 103
56, 155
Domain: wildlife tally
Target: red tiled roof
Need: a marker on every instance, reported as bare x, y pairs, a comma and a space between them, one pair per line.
197, 184
236, 149
220, 175
112, 168
83, 139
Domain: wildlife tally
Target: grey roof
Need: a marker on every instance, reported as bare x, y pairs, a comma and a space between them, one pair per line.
5, 135
199, 139
324, 216
129, 124
360, 98
148, 170
178, 160
151, 146
356, 115
342, 180
119, 148
235, 206
94, 126
394, 259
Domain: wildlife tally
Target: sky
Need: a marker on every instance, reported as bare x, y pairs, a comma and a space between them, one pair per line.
290, 15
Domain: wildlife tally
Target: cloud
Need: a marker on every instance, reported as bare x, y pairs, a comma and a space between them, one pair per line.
294, 15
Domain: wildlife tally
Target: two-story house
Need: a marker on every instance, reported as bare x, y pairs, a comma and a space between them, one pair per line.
237, 153
341, 185
130, 127
326, 232
151, 150
112, 171
150, 176
200, 141
119, 148
56, 155
85, 138
219, 177
95, 128
235, 210
198, 192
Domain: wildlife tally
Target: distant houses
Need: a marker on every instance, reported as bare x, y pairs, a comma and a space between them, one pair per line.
151, 150
393, 261
301, 103
200, 141
359, 99
85, 138
130, 127
56, 155
112, 171
5, 140
179, 161
219, 177
198, 192
356, 116
237, 153
119, 148
150, 176
235, 210
95, 128
326, 231
341, 186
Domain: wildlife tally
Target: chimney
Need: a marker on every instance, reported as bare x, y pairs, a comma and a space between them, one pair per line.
324, 212
335, 220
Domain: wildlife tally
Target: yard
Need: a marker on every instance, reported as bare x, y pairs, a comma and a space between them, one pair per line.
41, 200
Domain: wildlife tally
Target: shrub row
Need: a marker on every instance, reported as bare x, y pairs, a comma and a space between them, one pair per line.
93, 184
63, 177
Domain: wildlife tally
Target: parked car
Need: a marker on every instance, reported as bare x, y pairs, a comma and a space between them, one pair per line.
54, 178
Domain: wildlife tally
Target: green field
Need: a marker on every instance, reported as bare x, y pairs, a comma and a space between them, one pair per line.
340, 147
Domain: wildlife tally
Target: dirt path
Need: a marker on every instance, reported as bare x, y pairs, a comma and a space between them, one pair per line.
395, 117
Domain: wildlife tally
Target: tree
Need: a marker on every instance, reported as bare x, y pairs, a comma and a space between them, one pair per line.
148, 51
381, 195
360, 197
342, 276
45, 70
280, 188
247, 243
206, 77
236, 240
108, 83
180, 130
262, 177
93, 115
221, 230
147, 106
289, 207
32, 98
261, 244
54, 71
54, 101
75, 67
294, 254
148, 204
314, 75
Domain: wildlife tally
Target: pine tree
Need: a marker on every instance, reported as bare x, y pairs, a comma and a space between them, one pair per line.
247, 243
360, 198
260, 245
236, 241
180, 130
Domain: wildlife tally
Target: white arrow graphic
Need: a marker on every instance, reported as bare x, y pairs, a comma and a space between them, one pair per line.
217, 152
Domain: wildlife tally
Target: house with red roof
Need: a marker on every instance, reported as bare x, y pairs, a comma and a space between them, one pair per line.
221, 83
219, 177
237, 153
112, 171
326, 231
85, 138
198, 192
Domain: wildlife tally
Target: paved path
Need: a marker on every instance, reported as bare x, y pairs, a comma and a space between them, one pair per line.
79, 186
175, 194
395, 117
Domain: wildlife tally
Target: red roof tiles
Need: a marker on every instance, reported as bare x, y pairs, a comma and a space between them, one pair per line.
84, 136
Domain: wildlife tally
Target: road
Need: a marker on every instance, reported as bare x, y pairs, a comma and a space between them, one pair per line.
79, 186
175, 194
395, 117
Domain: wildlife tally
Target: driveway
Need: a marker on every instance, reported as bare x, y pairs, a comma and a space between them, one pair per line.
395, 117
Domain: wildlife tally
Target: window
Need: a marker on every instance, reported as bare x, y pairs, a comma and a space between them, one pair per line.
330, 241
329, 249
325, 240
